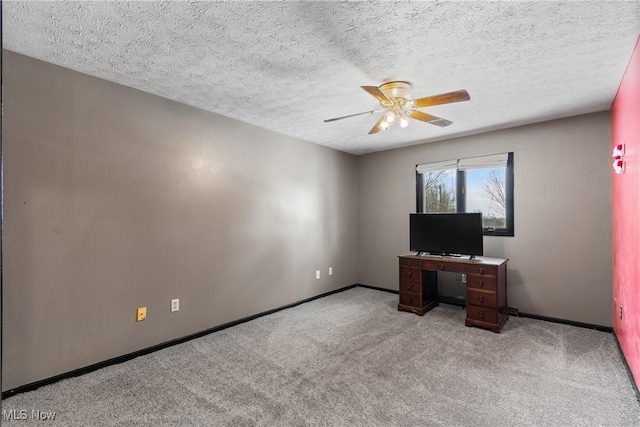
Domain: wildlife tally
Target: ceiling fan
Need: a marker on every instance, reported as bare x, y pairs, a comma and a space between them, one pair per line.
395, 99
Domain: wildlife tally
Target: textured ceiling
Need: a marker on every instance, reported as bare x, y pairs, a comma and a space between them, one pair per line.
286, 66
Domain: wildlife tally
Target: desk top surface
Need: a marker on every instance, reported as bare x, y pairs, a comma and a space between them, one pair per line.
459, 260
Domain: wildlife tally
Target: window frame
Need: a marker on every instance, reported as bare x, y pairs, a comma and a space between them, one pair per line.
461, 183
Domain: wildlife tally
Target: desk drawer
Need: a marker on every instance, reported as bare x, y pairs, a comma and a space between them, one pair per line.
412, 300
482, 270
484, 298
409, 262
409, 287
444, 266
481, 282
483, 314
412, 274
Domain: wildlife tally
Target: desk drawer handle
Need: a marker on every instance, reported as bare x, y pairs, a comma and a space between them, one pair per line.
410, 299
408, 262
481, 299
409, 274
410, 285
481, 270
480, 283
441, 267
481, 314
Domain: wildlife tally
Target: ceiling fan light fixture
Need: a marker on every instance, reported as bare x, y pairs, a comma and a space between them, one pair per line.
390, 117
403, 122
384, 125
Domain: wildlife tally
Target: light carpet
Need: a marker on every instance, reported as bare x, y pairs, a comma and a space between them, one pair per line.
351, 359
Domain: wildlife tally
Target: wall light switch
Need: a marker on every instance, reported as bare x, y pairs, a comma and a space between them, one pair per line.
330, 271
317, 274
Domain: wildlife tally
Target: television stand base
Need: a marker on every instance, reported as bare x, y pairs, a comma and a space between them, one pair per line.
420, 311
491, 326
486, 296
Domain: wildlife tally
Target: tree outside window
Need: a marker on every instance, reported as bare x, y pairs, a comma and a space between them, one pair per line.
486, 193
439, 193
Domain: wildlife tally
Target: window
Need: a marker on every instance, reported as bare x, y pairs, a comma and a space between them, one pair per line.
438, 189
477, 184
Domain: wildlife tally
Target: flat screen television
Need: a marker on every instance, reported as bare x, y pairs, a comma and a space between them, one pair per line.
446, 233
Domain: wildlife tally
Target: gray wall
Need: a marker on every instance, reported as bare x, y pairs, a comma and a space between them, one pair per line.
115, 199
560, 256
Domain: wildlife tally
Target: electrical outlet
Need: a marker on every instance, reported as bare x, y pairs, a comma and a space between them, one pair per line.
141, 314
175, 305
330, 271
464, 278
317, 274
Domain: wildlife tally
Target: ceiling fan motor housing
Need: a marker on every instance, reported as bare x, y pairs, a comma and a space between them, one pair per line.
397, 89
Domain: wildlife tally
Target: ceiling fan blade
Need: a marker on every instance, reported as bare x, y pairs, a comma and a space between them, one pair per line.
376, 128
432, 120
351, 115
443, 98
376, 93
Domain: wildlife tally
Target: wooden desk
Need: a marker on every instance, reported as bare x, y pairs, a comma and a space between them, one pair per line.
486, 287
